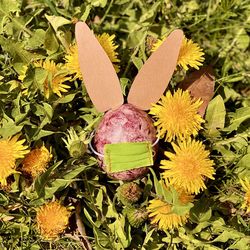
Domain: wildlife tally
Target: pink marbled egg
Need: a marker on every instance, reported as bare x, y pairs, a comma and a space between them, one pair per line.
125, 124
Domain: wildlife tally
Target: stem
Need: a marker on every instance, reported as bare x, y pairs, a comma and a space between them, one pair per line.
237, 36
92, 123
76, 238
233, 139
52, 7
140, 42
16, 22
134, 53
81, 228
106, 12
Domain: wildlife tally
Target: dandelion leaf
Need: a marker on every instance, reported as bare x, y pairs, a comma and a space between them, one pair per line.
215, 116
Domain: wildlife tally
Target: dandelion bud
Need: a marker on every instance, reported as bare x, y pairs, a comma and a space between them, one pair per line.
76, 146
77, 149
136, 216
129, 193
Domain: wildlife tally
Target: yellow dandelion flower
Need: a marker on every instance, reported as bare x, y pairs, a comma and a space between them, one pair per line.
184, 197
23, 72
10, 150
107, 43
176, 115
109, 46
246, 186
161, 212
54, 82
157, 44
36, 161
15, 84
190, 54
188, 167
72, 62
52, 219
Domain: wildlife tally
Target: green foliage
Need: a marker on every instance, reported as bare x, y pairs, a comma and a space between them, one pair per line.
35, 30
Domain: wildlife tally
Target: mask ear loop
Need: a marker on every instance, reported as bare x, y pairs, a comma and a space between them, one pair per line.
101, 155
91, 147
156, 141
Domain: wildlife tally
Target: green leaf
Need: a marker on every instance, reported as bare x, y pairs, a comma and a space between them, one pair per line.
201, 226
215, 116
86, 13
57, 21
157, 184
42, 180
6, 8
111, 210
235, 78
244, 161
240, 115
243, 40
50, 42
3, 200
9, 6
148, 236
137, 62
89, 218
8, 127
135, 37
48, 112
201, 211
102, 239
99, 198
167, 194
66, 98
20, 110
180, 209
117, 228
35, 247
42, 133
226, 235
37, 39
160, 189
17, 51
98, 3
243, 243
230, 94
63, 182
39, 78
124, 84
243, 167
150, 12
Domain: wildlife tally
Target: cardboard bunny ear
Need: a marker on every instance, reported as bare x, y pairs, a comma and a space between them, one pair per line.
99, 75
155, 74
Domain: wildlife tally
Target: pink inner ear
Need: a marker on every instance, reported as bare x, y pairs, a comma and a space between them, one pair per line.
99, 75
154, 76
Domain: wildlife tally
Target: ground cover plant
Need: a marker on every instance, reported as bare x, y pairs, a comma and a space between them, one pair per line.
53, 194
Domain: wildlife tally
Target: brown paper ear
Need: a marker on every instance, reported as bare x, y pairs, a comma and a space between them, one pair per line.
201, 85
155, 74
99, 75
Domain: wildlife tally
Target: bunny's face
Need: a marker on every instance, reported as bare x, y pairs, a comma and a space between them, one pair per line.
125, 137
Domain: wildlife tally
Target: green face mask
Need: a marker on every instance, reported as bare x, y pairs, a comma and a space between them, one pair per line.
126, 156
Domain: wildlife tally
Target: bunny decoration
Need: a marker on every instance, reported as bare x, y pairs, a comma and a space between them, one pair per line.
125, 140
